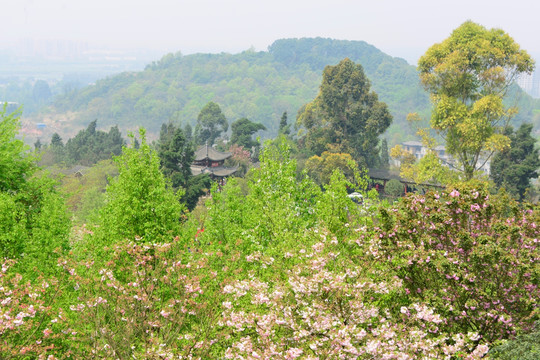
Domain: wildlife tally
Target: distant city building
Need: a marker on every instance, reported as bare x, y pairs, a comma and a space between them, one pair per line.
52, 49
419, 151
530, 84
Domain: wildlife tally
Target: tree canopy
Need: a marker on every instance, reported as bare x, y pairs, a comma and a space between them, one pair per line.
211, 122
347, 113
514, 167
468, 75
242, 132
16, 163
138, 202
176, 155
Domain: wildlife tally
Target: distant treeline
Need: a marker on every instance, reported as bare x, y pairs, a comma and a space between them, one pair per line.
256, 85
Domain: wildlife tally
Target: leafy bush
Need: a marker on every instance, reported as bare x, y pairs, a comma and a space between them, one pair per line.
523, 347
139, 202
394, 188
470, 255
33, 218
326, 307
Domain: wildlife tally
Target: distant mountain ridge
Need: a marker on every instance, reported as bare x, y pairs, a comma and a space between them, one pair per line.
257, 85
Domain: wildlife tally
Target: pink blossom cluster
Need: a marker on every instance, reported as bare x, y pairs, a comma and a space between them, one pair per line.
470, 255
324, 310
25, 314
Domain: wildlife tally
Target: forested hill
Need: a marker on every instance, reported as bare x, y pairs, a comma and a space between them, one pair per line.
256, 85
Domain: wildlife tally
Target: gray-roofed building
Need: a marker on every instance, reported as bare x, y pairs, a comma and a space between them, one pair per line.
210, 161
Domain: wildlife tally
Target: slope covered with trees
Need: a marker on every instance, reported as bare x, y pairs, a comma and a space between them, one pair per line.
256, 85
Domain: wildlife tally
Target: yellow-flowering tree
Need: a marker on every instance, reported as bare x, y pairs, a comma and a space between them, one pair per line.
468, 75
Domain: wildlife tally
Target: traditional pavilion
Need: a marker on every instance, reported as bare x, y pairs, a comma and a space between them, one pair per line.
210, 161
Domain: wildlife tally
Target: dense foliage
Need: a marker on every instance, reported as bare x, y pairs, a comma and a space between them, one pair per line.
243, 131
345, 114
279, 269
514, 167
256, 85
139, 203
468, 76
86, 148
280, 264
33, 219
211, 123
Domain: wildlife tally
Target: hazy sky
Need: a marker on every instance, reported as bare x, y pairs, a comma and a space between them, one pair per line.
404, 28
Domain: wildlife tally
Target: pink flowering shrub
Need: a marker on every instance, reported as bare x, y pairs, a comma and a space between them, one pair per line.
327, 308
240, 157
472, 257
147, 302
29, 327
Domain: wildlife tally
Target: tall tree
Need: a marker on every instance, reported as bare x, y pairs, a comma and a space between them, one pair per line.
176, 155
16, 163
139, 204
346, 112
57, 149
284, 128
385, 158
468, 75
56, 140
242, 133
211, 122
513, 168
38, 145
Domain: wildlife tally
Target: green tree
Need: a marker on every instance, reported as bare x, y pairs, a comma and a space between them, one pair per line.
242, 133
284, 128
56, 140
188, 133
41, 92
16, 162
468, 75
385, 158
394, 188
56, 151
514, 167
346, 112
176, 155
211, 122
38, 145
33, 218
139, 204
91, 145
321, 168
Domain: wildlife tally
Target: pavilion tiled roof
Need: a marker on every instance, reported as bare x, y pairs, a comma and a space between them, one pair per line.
208, 152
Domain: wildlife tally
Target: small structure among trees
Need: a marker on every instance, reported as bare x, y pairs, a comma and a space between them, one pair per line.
210, 161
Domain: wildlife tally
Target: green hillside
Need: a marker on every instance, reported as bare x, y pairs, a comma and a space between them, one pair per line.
256, 85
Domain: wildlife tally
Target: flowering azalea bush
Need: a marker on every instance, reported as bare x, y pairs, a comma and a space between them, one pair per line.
472, 257
285, 271
327, 308
147, 302
29, 326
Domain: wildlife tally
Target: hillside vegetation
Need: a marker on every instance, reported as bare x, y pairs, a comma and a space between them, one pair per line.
256, 85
